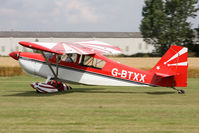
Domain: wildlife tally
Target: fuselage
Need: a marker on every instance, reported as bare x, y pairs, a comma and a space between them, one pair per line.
93, 69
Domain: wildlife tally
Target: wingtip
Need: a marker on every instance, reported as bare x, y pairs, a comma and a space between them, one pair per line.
37, 47
23, 42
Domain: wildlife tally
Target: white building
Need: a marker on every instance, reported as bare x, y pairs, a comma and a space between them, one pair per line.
129, 42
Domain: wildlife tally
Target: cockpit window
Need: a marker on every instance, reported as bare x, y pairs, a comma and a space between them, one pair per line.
69, 57
90, 61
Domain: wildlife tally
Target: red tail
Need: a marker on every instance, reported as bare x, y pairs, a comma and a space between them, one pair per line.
171, 70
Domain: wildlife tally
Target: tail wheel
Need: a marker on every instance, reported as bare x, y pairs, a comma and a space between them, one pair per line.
181, 92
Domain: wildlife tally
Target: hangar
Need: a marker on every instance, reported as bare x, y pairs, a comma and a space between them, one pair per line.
129, 42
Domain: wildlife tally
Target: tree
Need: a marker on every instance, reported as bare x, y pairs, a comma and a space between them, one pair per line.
197, 32
165, 23
195, 47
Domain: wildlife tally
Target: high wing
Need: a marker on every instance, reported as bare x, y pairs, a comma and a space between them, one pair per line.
81, 47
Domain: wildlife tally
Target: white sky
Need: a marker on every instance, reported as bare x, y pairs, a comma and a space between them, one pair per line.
73, 15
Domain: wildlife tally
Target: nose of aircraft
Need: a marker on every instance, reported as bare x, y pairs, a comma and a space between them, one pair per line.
15, 55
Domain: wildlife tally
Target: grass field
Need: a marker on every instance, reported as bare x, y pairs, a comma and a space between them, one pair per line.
95, 109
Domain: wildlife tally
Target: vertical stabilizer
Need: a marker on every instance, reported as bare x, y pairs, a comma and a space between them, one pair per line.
174, 63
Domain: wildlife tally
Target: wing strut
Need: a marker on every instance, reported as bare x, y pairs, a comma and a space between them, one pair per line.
49, 65
57, 67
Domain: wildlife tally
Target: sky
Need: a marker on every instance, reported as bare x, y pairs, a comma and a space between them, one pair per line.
73, 15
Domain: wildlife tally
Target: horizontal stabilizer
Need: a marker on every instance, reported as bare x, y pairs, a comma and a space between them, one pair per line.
165, 80
163, 75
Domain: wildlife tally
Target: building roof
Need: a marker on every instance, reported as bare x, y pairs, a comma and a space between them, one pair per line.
24, 34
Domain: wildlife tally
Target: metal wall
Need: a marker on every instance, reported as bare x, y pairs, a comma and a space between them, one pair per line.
128, 45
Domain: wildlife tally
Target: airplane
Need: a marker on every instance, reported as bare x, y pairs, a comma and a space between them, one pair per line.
84, 62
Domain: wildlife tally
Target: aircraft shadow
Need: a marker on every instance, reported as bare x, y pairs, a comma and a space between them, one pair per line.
124, 92
86, 90
35, 94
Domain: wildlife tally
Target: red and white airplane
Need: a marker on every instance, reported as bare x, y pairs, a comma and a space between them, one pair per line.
83, 62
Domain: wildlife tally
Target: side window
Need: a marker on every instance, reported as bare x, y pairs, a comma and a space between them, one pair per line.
99, 63
90, 61
69, 57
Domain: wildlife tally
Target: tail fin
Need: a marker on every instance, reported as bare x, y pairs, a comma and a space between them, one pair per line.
174, 63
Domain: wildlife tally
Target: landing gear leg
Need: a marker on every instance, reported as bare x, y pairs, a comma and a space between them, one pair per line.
179, 91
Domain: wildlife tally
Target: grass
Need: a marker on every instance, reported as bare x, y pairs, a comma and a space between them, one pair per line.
96, 109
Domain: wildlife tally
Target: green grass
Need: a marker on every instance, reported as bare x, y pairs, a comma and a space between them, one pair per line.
95, 109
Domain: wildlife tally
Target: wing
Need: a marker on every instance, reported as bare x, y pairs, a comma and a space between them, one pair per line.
99, 47
81, 47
